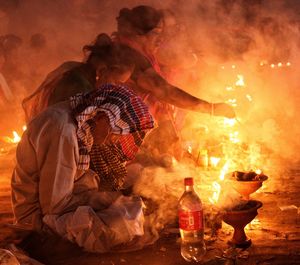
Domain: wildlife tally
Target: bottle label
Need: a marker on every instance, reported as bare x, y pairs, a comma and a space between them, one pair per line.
190, 220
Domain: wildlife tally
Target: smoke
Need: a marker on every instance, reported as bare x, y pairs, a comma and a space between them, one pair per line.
218, 40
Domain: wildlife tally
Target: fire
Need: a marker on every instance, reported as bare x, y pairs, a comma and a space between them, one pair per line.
216, 192
234, 137
255, 224
240, 81
15, 139
258, 171
249, 97
216, 187
224, 170
214, 161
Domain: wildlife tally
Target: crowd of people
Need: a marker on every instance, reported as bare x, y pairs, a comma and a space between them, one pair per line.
85, 124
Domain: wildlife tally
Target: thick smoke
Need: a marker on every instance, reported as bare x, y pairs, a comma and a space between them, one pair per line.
216, 40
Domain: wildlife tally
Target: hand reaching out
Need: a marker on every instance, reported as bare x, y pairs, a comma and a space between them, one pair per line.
223, 109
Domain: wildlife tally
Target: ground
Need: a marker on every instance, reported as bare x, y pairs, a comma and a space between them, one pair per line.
275, 238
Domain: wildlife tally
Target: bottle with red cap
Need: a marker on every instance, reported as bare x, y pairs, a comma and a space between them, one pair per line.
191, 225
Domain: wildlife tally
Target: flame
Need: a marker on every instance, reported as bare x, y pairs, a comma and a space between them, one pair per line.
224, 170
258, 171
229, 122
254, 224
229, 88
217, 189
232, 102
240, 81
16, 138
214, 161
234, 137
249, 97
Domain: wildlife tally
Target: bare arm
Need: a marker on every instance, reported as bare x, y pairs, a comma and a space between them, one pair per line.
161, 89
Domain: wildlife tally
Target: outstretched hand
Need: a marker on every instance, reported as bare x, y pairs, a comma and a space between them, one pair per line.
223, 109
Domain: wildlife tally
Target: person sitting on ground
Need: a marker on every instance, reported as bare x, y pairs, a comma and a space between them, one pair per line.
104, 63
53, 183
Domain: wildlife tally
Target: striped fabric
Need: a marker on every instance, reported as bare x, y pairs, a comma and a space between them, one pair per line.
128, 115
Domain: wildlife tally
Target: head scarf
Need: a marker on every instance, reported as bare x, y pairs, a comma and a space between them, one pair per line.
128, 115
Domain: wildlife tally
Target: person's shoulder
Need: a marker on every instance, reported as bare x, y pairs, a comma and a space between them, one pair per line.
57, 116
135, 56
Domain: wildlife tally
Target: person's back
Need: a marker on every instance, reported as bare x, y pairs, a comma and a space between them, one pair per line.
105, 63
51, 90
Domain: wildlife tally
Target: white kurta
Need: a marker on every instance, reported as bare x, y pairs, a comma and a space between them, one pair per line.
47, 187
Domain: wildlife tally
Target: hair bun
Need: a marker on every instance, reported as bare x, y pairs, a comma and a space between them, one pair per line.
103, 40
124, 12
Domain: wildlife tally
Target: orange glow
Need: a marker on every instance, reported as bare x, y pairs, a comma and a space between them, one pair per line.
255, 224
224, 170
240, 81
216, 192
15, 139
214, 161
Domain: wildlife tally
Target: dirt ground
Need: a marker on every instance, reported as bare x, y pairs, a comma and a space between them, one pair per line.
275, 239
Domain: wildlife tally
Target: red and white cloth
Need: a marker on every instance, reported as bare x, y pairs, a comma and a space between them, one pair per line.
128, 115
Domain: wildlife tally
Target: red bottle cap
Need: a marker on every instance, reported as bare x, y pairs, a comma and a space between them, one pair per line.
188, 182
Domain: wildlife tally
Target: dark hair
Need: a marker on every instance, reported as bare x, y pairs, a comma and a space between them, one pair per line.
138, 20
106, 51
